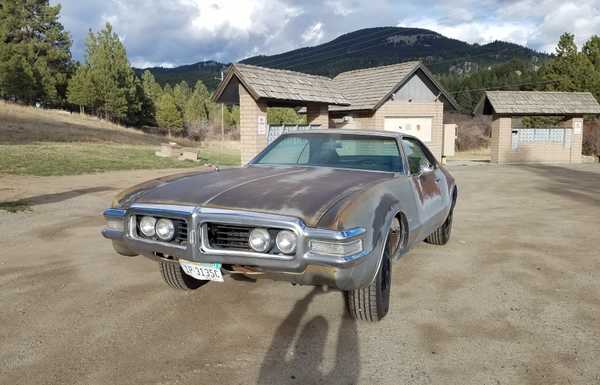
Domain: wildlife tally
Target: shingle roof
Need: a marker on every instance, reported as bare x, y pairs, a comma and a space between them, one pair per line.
365, 88
537, 103
279, 84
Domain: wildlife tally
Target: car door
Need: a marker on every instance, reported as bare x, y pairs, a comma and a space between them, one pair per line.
428, 181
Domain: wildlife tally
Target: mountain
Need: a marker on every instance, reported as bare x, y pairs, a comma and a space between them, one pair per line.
387, 45
371, 47
207, 71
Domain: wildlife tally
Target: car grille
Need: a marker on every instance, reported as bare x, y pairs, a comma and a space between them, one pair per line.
230, 237
181, 232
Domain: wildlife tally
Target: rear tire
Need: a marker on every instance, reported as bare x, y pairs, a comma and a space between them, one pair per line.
174, 276
372, 303
441, 235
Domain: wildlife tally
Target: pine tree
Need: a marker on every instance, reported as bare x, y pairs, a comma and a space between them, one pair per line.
35, 57
80, 89
116, 88
196, 109
570, 70
591, 50
181, 93
168, 116
152, 89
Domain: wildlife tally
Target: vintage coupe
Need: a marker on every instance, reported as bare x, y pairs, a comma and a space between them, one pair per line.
319, 207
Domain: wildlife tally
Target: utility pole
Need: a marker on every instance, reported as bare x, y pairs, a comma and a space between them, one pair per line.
222, 126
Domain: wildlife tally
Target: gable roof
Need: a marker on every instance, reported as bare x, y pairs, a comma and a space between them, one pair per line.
269, 83
369, 88
363, 89
537, 103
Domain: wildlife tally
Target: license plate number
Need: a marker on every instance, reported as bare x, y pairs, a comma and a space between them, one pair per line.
202, 271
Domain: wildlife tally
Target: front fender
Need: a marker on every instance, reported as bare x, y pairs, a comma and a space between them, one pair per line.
374, 210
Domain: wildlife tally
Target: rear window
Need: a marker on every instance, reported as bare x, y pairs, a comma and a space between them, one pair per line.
363, 152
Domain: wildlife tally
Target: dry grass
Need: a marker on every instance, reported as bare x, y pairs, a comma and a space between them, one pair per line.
25, 125
52, 142
481, 154
81, 158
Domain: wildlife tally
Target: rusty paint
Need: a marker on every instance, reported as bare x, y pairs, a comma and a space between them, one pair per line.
321, 197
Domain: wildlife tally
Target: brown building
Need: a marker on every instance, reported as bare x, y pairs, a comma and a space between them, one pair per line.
512, 142
400, 97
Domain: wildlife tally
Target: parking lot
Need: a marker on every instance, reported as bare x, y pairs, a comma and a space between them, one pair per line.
514, 298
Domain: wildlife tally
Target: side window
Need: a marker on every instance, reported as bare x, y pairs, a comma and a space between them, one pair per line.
416, 155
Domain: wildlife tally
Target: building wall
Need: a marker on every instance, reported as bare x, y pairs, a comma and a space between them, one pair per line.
402, 109
317, 113
251, 141
502, 152
435, 110
357, 121
417, 89
576, 138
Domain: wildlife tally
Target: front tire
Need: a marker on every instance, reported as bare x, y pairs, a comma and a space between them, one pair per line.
441, 235
174, 276
372, 303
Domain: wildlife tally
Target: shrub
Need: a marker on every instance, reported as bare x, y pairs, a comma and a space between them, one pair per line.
473, 132
591, 138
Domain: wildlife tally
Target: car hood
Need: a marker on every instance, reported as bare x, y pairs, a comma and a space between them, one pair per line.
303, 192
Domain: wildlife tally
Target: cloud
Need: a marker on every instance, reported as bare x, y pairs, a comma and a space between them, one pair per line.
534, 23
314, 34
474, 31
175, 32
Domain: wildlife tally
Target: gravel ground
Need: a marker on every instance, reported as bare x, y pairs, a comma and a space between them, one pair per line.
514, 298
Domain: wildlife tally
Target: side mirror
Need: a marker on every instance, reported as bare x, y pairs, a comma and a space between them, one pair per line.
425, 166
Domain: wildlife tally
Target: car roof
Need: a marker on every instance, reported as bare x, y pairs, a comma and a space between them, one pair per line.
337, 131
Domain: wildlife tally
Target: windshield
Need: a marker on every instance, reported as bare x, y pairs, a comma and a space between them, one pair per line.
342, 151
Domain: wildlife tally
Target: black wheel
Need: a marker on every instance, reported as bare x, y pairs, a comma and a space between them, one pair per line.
371, 303
174, 276
441, 235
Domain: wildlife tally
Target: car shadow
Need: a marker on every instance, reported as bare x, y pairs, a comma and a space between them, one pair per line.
570, 182
303, 361
26, 203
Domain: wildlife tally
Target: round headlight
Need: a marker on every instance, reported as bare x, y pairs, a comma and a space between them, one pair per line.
260, 240
286, 241
147, 226
165, 229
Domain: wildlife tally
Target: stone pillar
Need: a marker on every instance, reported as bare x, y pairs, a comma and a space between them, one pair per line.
317, 113
576, 124
501, 138
253, 125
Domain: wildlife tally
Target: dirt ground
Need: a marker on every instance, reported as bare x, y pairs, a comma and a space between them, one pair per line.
514, 298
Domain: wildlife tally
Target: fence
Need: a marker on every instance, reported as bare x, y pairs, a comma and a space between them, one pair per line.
276, 130
536, 135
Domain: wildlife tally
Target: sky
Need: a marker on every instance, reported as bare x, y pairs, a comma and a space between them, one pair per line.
175, 32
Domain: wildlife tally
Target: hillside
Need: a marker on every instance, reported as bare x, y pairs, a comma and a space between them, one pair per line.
387, 45
366, 48
207, 71
54, 142
22, 124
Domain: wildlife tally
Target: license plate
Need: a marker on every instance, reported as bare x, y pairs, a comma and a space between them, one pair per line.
202, 271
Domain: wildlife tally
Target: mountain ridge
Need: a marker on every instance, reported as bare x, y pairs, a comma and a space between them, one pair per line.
365, 48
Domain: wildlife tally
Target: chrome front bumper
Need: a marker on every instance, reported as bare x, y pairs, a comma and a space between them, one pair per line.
303, 267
